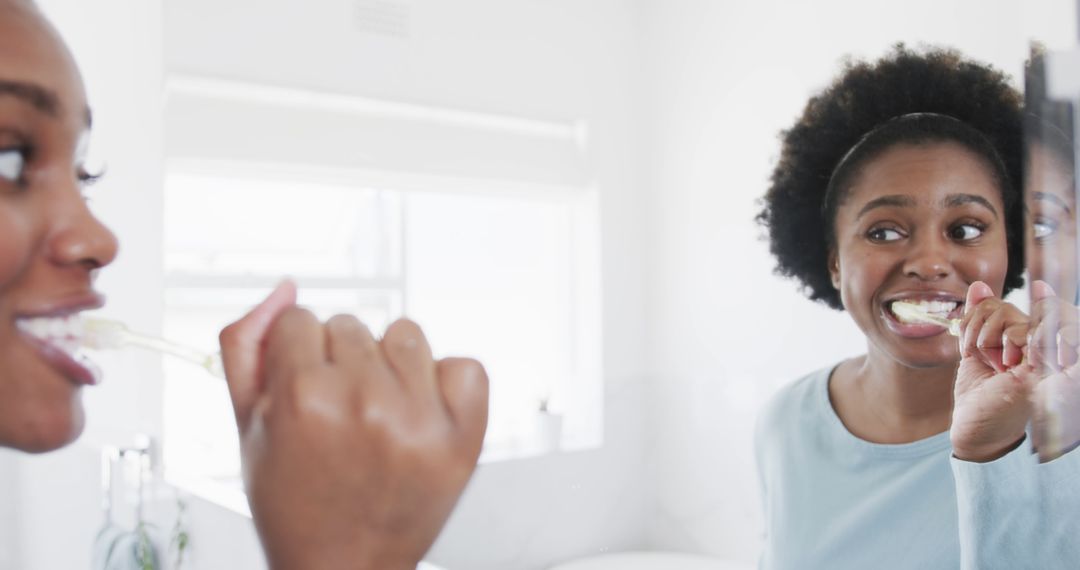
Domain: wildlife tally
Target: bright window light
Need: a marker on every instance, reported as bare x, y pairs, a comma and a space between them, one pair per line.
505, 277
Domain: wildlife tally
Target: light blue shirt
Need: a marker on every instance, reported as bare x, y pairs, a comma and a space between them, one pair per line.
834, 501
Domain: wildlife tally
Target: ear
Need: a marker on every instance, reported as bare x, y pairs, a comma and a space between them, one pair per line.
834, 269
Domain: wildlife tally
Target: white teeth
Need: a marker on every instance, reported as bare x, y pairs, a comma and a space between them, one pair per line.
937, 308
63, 332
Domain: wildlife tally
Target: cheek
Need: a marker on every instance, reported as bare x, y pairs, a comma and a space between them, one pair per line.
990, 265
861, 273
15, 244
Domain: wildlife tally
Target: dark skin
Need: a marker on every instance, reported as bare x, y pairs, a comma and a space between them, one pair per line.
922, 223
354, 450
1051, 207
50, 243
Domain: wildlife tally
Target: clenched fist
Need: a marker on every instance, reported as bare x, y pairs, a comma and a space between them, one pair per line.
355, 450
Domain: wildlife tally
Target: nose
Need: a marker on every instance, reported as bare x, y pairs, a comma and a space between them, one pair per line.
929, 259
79, 238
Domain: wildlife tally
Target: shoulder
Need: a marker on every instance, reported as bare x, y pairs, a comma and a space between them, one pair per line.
788, 409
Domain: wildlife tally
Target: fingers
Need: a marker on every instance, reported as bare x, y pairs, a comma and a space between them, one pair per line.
1041, 290
1014, 341
241, 349
989, 338
1068, 343
975, 313
408, 353
976, 293
993, 331
1055, 429
464, 386
1054, 337
294, 344
349, 341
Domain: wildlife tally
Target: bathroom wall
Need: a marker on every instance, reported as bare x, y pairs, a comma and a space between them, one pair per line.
724, 78
554, 60
9, 516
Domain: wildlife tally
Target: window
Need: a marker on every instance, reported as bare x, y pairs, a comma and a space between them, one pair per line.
502, 272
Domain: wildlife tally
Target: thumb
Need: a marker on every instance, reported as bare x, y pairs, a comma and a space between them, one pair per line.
976, 293
1041, 290
464, 384
241, 349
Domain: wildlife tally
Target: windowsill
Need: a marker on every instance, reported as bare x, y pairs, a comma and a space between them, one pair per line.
228, 492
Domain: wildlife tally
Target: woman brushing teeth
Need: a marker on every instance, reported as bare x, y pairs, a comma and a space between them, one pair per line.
354, 450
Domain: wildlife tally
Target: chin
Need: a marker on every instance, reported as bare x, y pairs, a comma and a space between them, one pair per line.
50, 431
928, 359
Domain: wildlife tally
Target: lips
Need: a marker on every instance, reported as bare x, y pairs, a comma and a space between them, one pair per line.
55, 332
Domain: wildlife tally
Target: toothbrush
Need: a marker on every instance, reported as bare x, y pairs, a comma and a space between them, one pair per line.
914, 313
104, 334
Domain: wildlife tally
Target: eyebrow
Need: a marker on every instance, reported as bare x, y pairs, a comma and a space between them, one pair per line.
38, 97
950, 201
897, 201
954, 200
1052, 198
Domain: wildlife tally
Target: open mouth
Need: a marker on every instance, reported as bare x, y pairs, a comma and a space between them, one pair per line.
903, 309
922, 315
59, 340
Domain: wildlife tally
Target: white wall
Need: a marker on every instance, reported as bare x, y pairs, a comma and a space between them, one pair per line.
725, 79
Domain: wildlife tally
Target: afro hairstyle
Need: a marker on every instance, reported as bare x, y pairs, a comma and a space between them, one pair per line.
798, 212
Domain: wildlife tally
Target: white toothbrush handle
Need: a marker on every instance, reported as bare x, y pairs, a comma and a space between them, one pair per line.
209, 362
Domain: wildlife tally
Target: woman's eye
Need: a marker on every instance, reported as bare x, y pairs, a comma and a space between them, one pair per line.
965, 232
1044, 228
884, 234
12, 162
87, 179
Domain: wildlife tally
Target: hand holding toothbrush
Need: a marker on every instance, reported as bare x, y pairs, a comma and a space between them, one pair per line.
1053, 346
1016, 368
354, 450
991, 397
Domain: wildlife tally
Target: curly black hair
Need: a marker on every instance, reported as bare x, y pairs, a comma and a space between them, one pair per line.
982, 111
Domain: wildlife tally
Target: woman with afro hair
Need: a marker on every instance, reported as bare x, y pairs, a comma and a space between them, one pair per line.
899, 187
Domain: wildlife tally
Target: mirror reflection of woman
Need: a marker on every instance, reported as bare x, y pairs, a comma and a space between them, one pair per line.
900, 183
354, 450
1049, 184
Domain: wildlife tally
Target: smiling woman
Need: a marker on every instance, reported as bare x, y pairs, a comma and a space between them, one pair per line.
50, 244
899, 189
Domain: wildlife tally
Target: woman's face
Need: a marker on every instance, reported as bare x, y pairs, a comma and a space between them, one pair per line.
50, 244
919, 223
1051, 231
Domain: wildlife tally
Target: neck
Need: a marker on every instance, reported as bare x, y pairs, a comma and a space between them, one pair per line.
888, 402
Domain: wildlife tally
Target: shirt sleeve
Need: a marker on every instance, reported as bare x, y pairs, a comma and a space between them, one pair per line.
1059, 486
1015, 513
